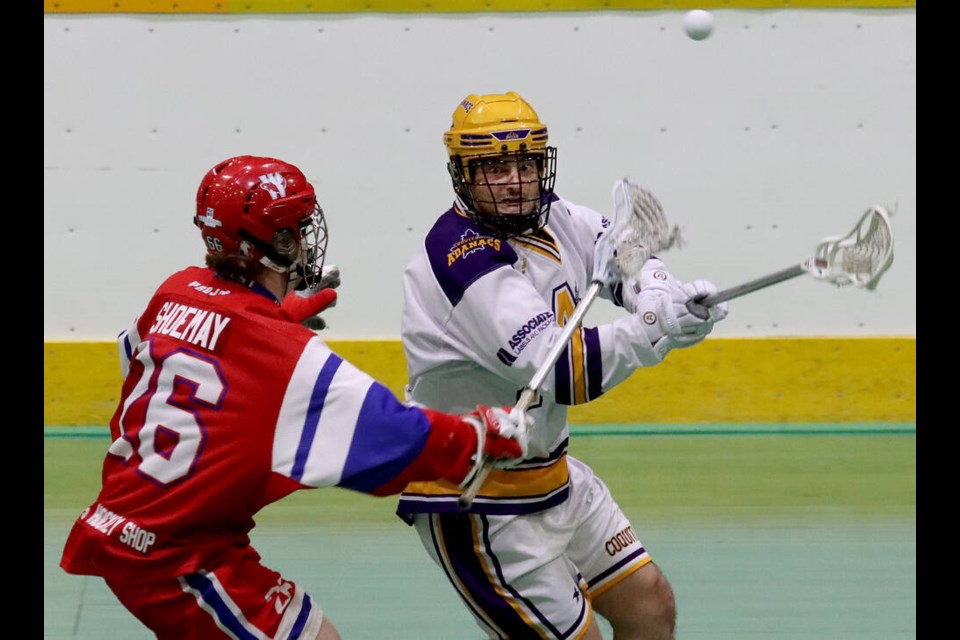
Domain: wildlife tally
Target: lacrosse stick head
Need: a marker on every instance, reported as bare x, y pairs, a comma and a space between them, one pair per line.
860, 257
639, 230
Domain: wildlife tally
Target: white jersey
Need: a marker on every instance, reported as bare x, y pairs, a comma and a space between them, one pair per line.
481, 314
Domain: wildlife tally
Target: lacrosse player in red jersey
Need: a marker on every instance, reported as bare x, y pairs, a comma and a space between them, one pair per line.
543, 545
229, 404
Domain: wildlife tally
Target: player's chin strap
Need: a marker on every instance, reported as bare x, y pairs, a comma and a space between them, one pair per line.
293, 280
305, 272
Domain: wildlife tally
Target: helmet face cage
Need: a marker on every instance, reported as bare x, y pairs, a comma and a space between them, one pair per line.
298, 253
313, 250
470, 179
492, 136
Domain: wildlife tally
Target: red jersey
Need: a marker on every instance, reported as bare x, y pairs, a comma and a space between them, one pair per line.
228, 405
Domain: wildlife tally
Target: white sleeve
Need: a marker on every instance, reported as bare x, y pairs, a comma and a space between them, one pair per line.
337, 426
127, 341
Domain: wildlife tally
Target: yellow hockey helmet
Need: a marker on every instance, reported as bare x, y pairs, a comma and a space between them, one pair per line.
494, 124
499, 126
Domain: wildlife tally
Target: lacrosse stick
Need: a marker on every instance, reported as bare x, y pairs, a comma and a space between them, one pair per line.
859, 258
639, 229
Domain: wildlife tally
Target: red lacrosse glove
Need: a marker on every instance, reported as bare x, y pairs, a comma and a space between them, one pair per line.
501, 435
305, 306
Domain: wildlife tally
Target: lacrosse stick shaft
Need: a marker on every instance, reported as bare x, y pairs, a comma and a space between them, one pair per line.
753, 285
530, 391
700, 307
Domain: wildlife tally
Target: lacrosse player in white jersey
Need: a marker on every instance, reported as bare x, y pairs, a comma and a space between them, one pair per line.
543, 545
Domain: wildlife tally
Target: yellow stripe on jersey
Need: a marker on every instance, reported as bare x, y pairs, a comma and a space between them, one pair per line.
505, 483
578, 366
543, 243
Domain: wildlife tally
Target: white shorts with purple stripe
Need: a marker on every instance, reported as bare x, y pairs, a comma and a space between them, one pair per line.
533, 576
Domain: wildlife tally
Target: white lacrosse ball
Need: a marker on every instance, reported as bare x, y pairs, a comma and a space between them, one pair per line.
698, 24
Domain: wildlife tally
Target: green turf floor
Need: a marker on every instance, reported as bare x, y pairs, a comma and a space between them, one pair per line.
806, 535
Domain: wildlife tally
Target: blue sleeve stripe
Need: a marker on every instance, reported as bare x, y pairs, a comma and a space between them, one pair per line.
388, 438
562, 378
591, 338
317, 399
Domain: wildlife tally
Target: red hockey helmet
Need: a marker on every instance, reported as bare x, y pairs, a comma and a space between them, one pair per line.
264, 208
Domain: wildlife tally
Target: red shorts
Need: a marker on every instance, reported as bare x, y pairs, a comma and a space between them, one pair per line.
239, 598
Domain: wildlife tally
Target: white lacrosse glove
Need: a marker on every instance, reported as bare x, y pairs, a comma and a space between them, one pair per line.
653, 276
329, 277
502, 436
668, 323
700, 289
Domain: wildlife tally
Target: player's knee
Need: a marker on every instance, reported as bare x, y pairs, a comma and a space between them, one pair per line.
654, 602
642, 606
663, 603
328, 631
